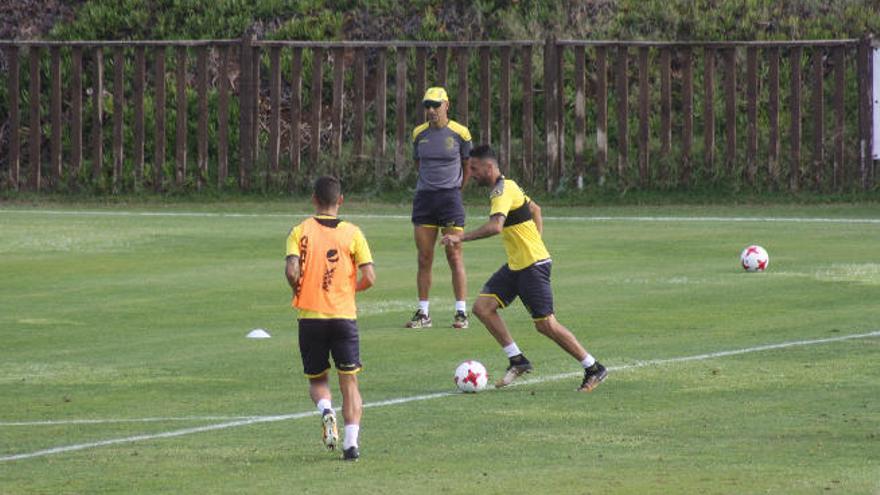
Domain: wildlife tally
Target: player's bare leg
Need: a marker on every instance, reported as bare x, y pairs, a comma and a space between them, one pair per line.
551, 328
486, 309
455, 258
352, 409
594, 372
319, 390
425, 238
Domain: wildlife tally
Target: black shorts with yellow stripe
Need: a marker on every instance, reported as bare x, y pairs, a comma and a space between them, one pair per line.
321, 338
531, 285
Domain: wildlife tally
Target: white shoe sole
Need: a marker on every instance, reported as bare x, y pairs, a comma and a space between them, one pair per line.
331, 432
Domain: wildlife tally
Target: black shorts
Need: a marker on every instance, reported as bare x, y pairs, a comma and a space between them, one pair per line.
319, 338
441, 208
531, 284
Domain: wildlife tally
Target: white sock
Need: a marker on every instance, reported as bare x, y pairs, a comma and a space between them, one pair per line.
351, 436
461, 306
512, 350
423, 305
588, 361
324, 404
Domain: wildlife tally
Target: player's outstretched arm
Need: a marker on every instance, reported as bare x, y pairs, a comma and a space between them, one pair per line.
291, 271
488, 229
367, 278
536, 216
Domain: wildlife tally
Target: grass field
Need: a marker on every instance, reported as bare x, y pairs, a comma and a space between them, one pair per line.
124, 367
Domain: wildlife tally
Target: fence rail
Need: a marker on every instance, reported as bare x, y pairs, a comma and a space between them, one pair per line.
259, 114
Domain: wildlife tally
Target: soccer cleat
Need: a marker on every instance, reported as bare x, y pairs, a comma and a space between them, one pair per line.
593, 376
351, 454
329, 429
460, 320
519, 366
419, 320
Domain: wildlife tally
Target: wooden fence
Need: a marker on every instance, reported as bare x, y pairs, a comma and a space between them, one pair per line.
280, 140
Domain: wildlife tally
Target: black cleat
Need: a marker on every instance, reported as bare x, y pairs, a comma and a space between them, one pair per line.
419, 320
460, 320
519, 366
351, 454
593, 376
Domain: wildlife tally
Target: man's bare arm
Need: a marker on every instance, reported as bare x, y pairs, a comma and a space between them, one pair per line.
465, 172
488, 229
291, 271
367, 279
536, 216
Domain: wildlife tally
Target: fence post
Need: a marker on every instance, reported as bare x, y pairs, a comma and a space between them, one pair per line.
400, 111
35, 139
505, 110
795, 126
461, 101
730, 111
118, 107
580, 115
358, 105
773, 115
336, 109
839, 62
159, 154
709, 109
687, 109
644, 115
76, 136
551, 122
665, 108
752, 110
223, 117
622, 90
818, 117
295, 116
528, 152
601, 113
245, 103
202, 134
275, 112
55, 145
138, 88
317, 90
485, 98
14, 117
381, 109
865, 84
98, 123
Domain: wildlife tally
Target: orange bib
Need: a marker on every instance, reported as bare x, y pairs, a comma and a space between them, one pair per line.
328, 277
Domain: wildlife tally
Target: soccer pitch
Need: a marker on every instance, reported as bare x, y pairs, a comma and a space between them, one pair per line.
124, 366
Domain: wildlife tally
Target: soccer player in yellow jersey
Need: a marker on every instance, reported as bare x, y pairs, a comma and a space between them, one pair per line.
525, 275
324, 255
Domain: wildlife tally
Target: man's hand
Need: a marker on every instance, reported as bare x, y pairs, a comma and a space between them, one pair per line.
451, 239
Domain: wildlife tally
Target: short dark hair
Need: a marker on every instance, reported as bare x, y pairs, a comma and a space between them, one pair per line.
484, 152
327, 190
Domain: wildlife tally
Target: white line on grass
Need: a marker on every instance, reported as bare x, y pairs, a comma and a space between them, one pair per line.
56, 422
417, 398
407, 217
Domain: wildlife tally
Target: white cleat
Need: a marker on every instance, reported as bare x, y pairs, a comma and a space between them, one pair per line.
329, 430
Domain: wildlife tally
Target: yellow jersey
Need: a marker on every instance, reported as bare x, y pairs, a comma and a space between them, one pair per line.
522, 241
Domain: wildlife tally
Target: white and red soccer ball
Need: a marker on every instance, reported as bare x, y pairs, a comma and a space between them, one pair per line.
754, 259
471, 376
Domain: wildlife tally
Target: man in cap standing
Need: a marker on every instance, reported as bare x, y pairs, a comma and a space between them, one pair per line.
441, 148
